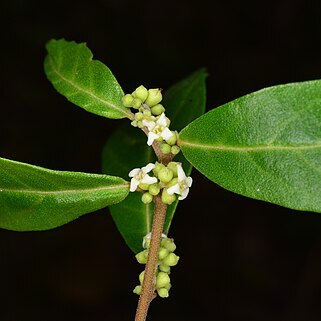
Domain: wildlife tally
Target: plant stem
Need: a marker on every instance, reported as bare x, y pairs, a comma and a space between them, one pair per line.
148, 286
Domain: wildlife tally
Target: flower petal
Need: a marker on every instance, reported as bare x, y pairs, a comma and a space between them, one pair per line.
148, 167
174, 189
133, 184
189, 181
133, 172
166, 133
149, 124
151, 137
162, 120
149, 180
184, 194
180, 173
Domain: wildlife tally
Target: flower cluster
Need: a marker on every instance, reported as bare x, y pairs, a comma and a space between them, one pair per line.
169, 180
151, 115
166, 259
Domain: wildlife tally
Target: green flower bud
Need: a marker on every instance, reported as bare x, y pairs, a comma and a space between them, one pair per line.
147, 198
141, 277
173, 182
134, 123
146, 253
159, 139
157, 168
164, 268
143, 186
157, 109
172, 140
173, 167
163, 292
165, 148
168, 286
154, 97
165, 175
140, 124
138, 289
147, 113
139, 116
162, 253
141, 258
162, 279
168, 199
136, 103
175, 150
128, 100
141, 92
154, 189
168, 121
168, 244
171, 259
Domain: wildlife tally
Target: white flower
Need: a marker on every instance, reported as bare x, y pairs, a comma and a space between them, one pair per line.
183, 184
157, 129
139, 175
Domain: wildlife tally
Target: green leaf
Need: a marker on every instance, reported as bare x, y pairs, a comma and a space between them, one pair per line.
127, 149
85, 82
35, 198
265, 145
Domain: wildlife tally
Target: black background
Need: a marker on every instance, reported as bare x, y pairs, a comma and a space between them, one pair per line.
241, 259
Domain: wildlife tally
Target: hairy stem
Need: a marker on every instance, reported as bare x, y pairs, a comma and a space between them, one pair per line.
148, 286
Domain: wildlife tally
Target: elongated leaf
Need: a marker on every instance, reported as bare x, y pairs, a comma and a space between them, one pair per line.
265, 145
35, 198
85, 82
127, 149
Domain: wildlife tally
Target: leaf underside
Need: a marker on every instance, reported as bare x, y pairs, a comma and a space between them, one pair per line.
85, 82
265, 145
34, 198
127, 149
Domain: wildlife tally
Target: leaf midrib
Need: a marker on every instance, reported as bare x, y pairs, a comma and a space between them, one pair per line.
248, 148
70, 191
105, 102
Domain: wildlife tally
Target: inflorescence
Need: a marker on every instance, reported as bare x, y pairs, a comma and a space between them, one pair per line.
166, 259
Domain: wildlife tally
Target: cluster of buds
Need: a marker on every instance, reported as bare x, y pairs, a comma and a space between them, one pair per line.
151, 114
168, 180
166, 259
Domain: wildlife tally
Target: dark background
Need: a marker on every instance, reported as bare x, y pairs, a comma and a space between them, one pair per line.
241, 259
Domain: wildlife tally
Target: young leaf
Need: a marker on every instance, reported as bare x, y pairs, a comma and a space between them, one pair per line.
35, 198
85, 82
265, 145
127, 149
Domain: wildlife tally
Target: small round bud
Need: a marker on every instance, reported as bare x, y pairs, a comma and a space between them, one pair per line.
172, 140
173, 167
157, 168
168, 121
165, 148
168, 244
138, 289
143, 186
154, 97
147, 113
164, 268
140, 124
154, 189
136, 103
139, 116
168, 199
162, 253
140, 257
162, 279
168, 286
134, 123
157, 109
146, 253
165, 175
171, 259
147, 198
175, 150
163, 292
128, 100
141, 92
141, 277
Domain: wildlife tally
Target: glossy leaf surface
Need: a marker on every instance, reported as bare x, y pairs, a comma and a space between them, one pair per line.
127, 149
35, 198
85, 82
265, 145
